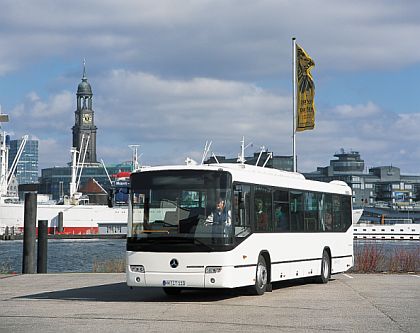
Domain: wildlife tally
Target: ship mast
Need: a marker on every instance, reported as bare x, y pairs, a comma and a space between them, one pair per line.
6, 173
3, 156
241, 157
135, 157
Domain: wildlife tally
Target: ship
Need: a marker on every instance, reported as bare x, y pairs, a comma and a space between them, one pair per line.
395, 231
383, 222
74, 217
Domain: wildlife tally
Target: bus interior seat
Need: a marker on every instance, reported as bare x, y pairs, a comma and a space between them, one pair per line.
171, 217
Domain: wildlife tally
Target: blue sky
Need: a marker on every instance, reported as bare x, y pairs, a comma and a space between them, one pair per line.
169, 75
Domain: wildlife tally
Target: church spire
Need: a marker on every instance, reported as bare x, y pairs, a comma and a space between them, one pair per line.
84, 125
84, 78
84, 88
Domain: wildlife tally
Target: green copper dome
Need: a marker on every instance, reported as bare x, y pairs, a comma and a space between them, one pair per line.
84, 87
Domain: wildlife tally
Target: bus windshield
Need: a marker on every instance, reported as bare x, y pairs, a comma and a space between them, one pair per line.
174, 208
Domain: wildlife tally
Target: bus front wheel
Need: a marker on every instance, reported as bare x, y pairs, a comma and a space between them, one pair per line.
261, 277
325, 268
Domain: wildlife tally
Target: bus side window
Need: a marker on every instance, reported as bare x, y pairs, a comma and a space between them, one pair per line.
281, 211
325, 212
262, 208
312, 203
336, 206
347, 212
296, 211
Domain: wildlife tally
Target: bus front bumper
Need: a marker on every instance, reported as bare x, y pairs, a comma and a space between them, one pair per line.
223, 279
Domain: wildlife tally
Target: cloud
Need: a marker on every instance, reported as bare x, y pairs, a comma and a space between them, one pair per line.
407, 126
357, 111
48, 121
171, 75
381, 137
39, 113
140, 107
52, 153
229, 39
171, 119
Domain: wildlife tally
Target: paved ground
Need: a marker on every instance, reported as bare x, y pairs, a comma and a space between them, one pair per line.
103, 303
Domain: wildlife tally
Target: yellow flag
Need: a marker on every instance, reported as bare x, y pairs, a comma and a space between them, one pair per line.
305, 91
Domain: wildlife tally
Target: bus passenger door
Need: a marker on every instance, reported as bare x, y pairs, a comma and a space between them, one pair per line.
241, 210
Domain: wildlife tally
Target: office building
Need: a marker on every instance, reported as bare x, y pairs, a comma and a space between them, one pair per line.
382, 186
27, 167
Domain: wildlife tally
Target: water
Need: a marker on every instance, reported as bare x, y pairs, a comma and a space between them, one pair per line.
65, 255
80, 255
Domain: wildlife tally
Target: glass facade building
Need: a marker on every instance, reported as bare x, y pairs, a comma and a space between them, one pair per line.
27, 167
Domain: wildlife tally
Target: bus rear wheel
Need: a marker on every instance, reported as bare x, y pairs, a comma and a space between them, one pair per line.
172, 291
261, 277
325, 268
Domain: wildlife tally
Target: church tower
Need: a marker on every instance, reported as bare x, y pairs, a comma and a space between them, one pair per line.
84, 124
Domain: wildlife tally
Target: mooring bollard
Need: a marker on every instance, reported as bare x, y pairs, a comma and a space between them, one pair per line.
42, 246
29, 234
60, 222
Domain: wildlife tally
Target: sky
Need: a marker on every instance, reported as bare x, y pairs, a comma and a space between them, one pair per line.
170, 75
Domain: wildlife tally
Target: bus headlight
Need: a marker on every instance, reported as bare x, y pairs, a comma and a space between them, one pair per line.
137, 268
213, 269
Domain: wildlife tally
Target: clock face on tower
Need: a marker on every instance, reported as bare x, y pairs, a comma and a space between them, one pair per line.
87, 118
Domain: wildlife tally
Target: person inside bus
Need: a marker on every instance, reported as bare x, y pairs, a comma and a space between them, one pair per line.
281, 219
219, 217
328, 222
219, 214
262, 218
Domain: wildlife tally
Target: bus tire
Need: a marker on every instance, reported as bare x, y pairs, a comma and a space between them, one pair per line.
261, 277
325, 268
171, 291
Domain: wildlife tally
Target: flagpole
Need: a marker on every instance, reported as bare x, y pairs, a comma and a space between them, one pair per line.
294, 103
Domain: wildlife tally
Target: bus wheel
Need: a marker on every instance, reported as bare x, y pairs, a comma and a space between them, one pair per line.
261, 277
325, 268
171, 291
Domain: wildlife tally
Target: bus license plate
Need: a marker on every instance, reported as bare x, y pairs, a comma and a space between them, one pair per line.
173, 283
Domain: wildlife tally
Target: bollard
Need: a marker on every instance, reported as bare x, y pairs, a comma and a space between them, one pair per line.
42, 246
29, 234
60, 222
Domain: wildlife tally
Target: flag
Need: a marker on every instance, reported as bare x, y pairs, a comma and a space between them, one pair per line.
305, 91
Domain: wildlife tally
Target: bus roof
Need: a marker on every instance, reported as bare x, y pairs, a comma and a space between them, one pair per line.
246, 173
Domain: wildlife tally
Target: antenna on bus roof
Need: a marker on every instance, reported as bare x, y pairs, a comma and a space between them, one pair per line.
215, 158
262, 149
270, 155
206, 151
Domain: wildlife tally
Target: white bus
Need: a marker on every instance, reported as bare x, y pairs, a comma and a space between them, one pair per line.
277, 226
